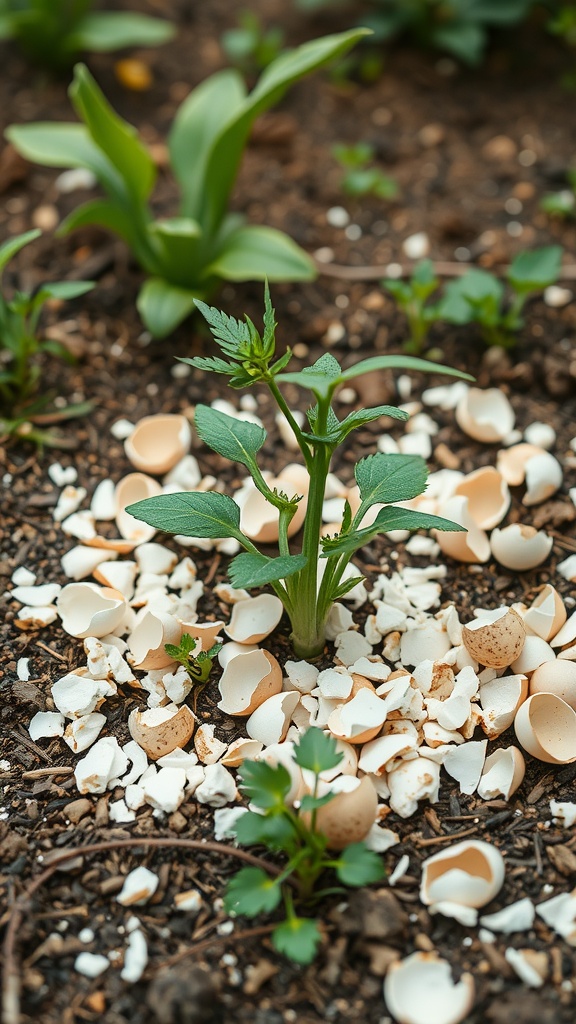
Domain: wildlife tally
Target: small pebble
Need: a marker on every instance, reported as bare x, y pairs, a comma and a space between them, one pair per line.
337, 217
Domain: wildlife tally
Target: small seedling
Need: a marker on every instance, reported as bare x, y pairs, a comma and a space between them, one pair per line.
198, 666
306, 593
480, 297
251, 47
360, 179
20, 347
412, 297
562, 204
52, 32
294, 833
187, 255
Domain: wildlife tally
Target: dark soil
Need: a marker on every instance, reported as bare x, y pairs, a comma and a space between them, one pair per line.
433, 132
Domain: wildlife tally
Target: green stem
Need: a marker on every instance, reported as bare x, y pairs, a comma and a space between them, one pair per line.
282, 405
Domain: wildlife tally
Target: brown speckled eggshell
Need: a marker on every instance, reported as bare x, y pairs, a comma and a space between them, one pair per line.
497, 644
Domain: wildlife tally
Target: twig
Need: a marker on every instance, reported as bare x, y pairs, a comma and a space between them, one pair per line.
60, 657
441, 268
40, 773
11, 980
446, 839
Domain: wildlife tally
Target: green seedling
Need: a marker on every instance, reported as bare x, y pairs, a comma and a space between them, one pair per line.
306, 590
185, 256
21, 349
562, 204
294, 833
412, 296
198, 666
563, 23
52, 32
360, 179
251, 47
480, 297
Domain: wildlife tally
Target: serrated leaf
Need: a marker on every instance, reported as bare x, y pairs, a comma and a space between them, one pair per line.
357, 865
312, 803
316, 751
191, 513
362, 416
321, 378
297, 938
211, 364
237, 440
272, 830
384, 479
231, 335
252, 892
264, 784
388, 519
249, 569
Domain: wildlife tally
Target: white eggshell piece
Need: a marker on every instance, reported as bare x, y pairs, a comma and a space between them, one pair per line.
248, 680
82, 732
564, 813
546, 727
559, 913
139, 886
465, 763
46, 724
412, 781
165, 791
420, 989
547, 614
424, 640
103, 763
470, 873
503, 773
103, 504
218, 787
132, 488
81, 561
157, 443
207, 746
148, 638
520, 547
566, 634
511, 462
269, 722
488, 496
254, 619
472, 546
543, 478
119, 576
516, 917
89, 610
37, 597
485, 415
36, 617
535, 652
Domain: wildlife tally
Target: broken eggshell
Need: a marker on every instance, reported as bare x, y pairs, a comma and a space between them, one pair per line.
247, 681
557, 677
502, 774
498, 642
470, 873
520, 547
485, 415
160, 730
147, 640
546, 727
132, 488
471, 546
547, 614
259, 519
420, 989
157, 443
89, 610
488, 496
254, 619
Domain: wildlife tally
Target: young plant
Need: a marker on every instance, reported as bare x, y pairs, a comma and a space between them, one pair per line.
250, 47
480, 297
306, 590
360, 179
198, 666
187, 255
412, 297
562, 204
20, 346
294, 833
52, 32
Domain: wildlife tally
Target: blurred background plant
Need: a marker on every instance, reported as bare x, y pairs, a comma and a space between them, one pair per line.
359, 178
52, 32
251, 46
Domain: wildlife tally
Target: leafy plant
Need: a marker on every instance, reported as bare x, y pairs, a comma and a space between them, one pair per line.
562, 204
251, 47
51, 32
480, 297
283, 829
412, 297
563, 23
359, 178
198, 666
20, 346
306, 593
187, 255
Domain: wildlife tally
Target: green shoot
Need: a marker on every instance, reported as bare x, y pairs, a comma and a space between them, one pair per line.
250, 47
412, 297
359, 178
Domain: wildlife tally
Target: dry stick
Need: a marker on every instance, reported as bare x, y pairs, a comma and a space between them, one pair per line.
198, 947
442, 268
11, 982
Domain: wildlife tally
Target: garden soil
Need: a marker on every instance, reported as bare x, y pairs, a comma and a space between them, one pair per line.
461, 144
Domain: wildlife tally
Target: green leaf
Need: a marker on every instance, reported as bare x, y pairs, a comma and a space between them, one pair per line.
114, 136
101, 32
389, 518
255, 253
297, 938
321, 378
357, 865
317, 751
192, 514
196, 126
64, 290
237, 440
533, 271
312, 803
400, 363
464, 41
384, 479
362, 416
178, 239
163, 306
479, 285
105, 213
13, 245
249, 569
251, 892
58, 145
345, 587
264, 784
233, 336
272, 830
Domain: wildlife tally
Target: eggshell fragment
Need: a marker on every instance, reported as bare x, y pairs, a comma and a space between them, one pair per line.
516, 917
81, 561
269, 722
496, 643
139, 886
470, 873
155, 558
500, 699
259, 519
534, 653
472, 546
502, 774
157, 443
89, 610
160, 730
361, 718
511, 462
132, 488
248, 680
420, 989
520, 547
485, 415
350, 815
488, 496
254, 619
412, 781
147, 640
547, 614
546, 727
543, 478
465, 763
558, 677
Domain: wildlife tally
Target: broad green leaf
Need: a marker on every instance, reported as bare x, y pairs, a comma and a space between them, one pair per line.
297, 938
384, 479
163, 306
114, 136
357, 865
178, 239
272, 830
251, 892
249, 569
362, 416
196, 125
101, 32
317, 751
388, 519
58, 145
237, 440
105, 213
312, 803
191, 513
13, 245
533, 271
264, 784
64, 290
226, 151
400, 363
257, 253
479, 285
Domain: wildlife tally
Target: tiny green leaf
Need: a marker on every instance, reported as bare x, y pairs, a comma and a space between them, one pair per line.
297, 938
317, 751
264, 784
249, 569
357, 865
389, 518
312, 803
251, 892
192, 514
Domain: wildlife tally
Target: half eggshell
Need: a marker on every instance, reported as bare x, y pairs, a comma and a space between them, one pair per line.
157, 443
546, 727
247, 681
520, 547
349, 817
497, 643
420, 989
488, 496
485, 415
502, 774
89, 610
159, 731
132, 488
254, 619
152, 632
470, 873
